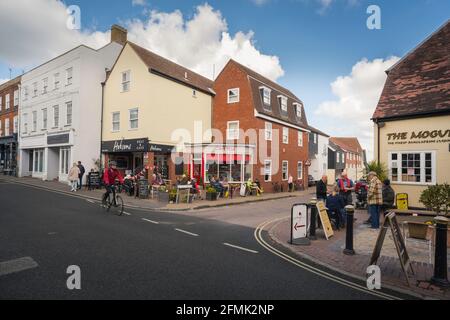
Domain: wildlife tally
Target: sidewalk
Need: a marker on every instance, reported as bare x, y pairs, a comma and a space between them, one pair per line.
152, 204
329, 253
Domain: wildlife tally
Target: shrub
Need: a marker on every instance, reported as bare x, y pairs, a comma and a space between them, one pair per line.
437, 198
380, 169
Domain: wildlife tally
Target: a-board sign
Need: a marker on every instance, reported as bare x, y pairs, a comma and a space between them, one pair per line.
402, 201
143, 188
299, 224
326, 224
94, 180
392, 223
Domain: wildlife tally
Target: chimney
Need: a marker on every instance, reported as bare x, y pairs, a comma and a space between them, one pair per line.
118, 34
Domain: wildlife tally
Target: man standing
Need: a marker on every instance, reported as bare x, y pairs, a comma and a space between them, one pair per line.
375, 199
82, 171
346, 187
388, 197
321, 189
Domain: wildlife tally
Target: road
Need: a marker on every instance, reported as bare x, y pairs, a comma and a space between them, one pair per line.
144, 255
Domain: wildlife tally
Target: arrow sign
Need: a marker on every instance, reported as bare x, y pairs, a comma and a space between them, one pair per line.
299, 222
298, 226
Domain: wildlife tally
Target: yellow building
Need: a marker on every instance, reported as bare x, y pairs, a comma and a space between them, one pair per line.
149, 103
412, 119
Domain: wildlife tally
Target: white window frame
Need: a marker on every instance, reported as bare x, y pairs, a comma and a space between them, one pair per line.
236, 135
301, 166
38, 160
25, 123
283, 103
56, 116
1, 103
44, 118
287, 170
69, 76
129, 119
270, 170
7, 101
15, 124
7, 133
298, 110
35, 89
56, 81
25, 93
16, 98
300, 139
285, 135
69, 115
398, 164
34, 121
237, 95
115, 122
127, 81
268, 131
44, 85
269, 96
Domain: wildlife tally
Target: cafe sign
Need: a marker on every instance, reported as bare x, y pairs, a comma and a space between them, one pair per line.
132, 145
419, 137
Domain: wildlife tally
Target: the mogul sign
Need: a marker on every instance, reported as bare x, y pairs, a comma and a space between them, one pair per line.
419, 137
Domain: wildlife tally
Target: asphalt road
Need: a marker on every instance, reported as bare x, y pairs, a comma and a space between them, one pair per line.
131, 258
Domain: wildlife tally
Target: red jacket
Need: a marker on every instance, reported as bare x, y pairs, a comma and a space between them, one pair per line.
110, 175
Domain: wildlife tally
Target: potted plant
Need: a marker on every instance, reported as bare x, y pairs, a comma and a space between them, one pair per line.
211, 194
437, 198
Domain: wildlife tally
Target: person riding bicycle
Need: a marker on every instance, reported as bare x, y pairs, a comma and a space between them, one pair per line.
110, 176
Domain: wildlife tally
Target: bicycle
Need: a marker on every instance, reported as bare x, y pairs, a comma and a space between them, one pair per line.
114, 201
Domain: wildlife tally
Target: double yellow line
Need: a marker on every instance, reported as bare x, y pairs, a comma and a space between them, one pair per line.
258, 236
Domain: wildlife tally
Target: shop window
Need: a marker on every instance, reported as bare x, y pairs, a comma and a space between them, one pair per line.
248, 170
224, 171
285, 171
212, 169
65, 160
233, 95
412, 167
38, 157
236, 171
267, 170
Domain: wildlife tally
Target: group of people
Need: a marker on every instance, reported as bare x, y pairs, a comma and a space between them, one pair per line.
75, 176
380, 197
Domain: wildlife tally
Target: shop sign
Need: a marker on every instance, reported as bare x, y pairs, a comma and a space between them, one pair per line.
160, 148
118, 146
58, 139
419, 137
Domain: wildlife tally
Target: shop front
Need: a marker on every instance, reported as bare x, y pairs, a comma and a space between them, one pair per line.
8, 155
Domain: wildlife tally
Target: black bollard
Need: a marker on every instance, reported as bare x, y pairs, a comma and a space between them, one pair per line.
440, 256
312, 220
349, 251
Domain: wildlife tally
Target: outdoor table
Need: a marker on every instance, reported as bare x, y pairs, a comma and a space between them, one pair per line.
187, 187
232, 188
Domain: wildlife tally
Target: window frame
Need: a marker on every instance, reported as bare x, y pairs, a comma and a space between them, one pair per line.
287, 170
7, 127
112, 121
285, 129
44, 112
127, 81
69, 76
130, 120
263, 90
237, 136
238, 95
301, 166
281, 99
69, 103
422, 167
268, 133
56, 116
300, 139
268, 161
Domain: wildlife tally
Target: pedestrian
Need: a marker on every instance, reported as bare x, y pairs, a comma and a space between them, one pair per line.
388, 197
291, 183
336, 207
82, 171
74, 176
322, 189
346, 187
375, 199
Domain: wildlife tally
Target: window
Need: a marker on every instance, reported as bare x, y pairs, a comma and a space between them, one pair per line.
25, 123
315, 137
298, 110
233, 130
283, 104
413, 167
300, 139
268, 133
25, 93
267, 170
45, 86
1, 132
126, 81
116, 121
1, 103
56, 81
69, 76
300, 170
15, 124
7, 101
7, 127
285, 135
69, 113
38, 157
65, 160
337, 156
285, 170
35, 89
34, 121
233, 95
55, 116
16, 98
44, 118
266, 92
134, 119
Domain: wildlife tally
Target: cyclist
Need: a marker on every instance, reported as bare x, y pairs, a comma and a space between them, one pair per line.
110, 176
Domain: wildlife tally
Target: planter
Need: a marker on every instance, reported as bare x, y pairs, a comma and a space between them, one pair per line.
163, 197
211, 196
417, 230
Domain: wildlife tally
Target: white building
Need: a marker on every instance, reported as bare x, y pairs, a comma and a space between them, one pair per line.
318, 153
60, 110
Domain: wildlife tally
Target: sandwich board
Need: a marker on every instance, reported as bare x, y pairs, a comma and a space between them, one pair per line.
324, 219
299, 224
392, 223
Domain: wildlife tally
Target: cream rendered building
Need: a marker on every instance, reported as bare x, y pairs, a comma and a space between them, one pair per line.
149, 102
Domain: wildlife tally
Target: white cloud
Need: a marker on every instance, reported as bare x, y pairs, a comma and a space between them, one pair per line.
357, 97
138, 2
40, 33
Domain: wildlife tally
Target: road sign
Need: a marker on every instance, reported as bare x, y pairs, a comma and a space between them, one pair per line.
299, 224
326, 224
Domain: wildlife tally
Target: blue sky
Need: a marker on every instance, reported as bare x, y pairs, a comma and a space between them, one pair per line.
315, 44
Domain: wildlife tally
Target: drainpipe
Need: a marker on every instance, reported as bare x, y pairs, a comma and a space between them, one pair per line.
101, 125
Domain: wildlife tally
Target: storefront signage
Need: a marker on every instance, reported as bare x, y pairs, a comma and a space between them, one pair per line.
118, 146
299, 224
415, 137
59, 139
160, 148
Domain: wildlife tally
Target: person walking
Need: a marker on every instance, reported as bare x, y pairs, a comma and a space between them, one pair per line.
290, 184
74, 175
322, 189
346, 187
388, 197
82, 172
375, 199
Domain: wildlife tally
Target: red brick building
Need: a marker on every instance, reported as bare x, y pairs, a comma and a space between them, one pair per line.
9, 105
245, 103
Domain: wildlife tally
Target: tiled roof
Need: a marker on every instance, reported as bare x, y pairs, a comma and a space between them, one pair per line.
420, 82
257, 81
165, 67
348, 144
9, 83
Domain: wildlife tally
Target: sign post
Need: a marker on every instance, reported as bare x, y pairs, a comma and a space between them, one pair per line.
299, 225
326, 224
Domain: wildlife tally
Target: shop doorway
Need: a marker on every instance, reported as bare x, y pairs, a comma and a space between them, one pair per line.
138, 162
161, 164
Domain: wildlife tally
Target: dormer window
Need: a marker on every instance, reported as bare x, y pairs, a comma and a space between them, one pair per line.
266, 95
298, 110
283, 104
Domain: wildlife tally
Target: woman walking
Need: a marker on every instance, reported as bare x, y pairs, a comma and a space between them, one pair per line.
74, 176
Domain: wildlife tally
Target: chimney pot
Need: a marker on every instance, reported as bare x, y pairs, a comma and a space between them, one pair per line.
119, 34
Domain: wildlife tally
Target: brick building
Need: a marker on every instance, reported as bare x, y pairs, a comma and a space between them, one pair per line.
353, 154
278, 143
9, 105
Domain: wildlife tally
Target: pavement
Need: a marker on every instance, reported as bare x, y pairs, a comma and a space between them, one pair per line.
149, 254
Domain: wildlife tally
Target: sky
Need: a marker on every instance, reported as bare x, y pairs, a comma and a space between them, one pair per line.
322, 50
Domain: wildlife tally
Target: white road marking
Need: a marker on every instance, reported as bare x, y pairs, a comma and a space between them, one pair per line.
90, 201
17, 265
187, 232
126, 213
151, 221
240, 248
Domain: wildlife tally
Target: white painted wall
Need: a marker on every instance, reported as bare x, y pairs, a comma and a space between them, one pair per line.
319, 165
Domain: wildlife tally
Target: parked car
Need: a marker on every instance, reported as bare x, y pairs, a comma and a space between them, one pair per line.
311, 181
